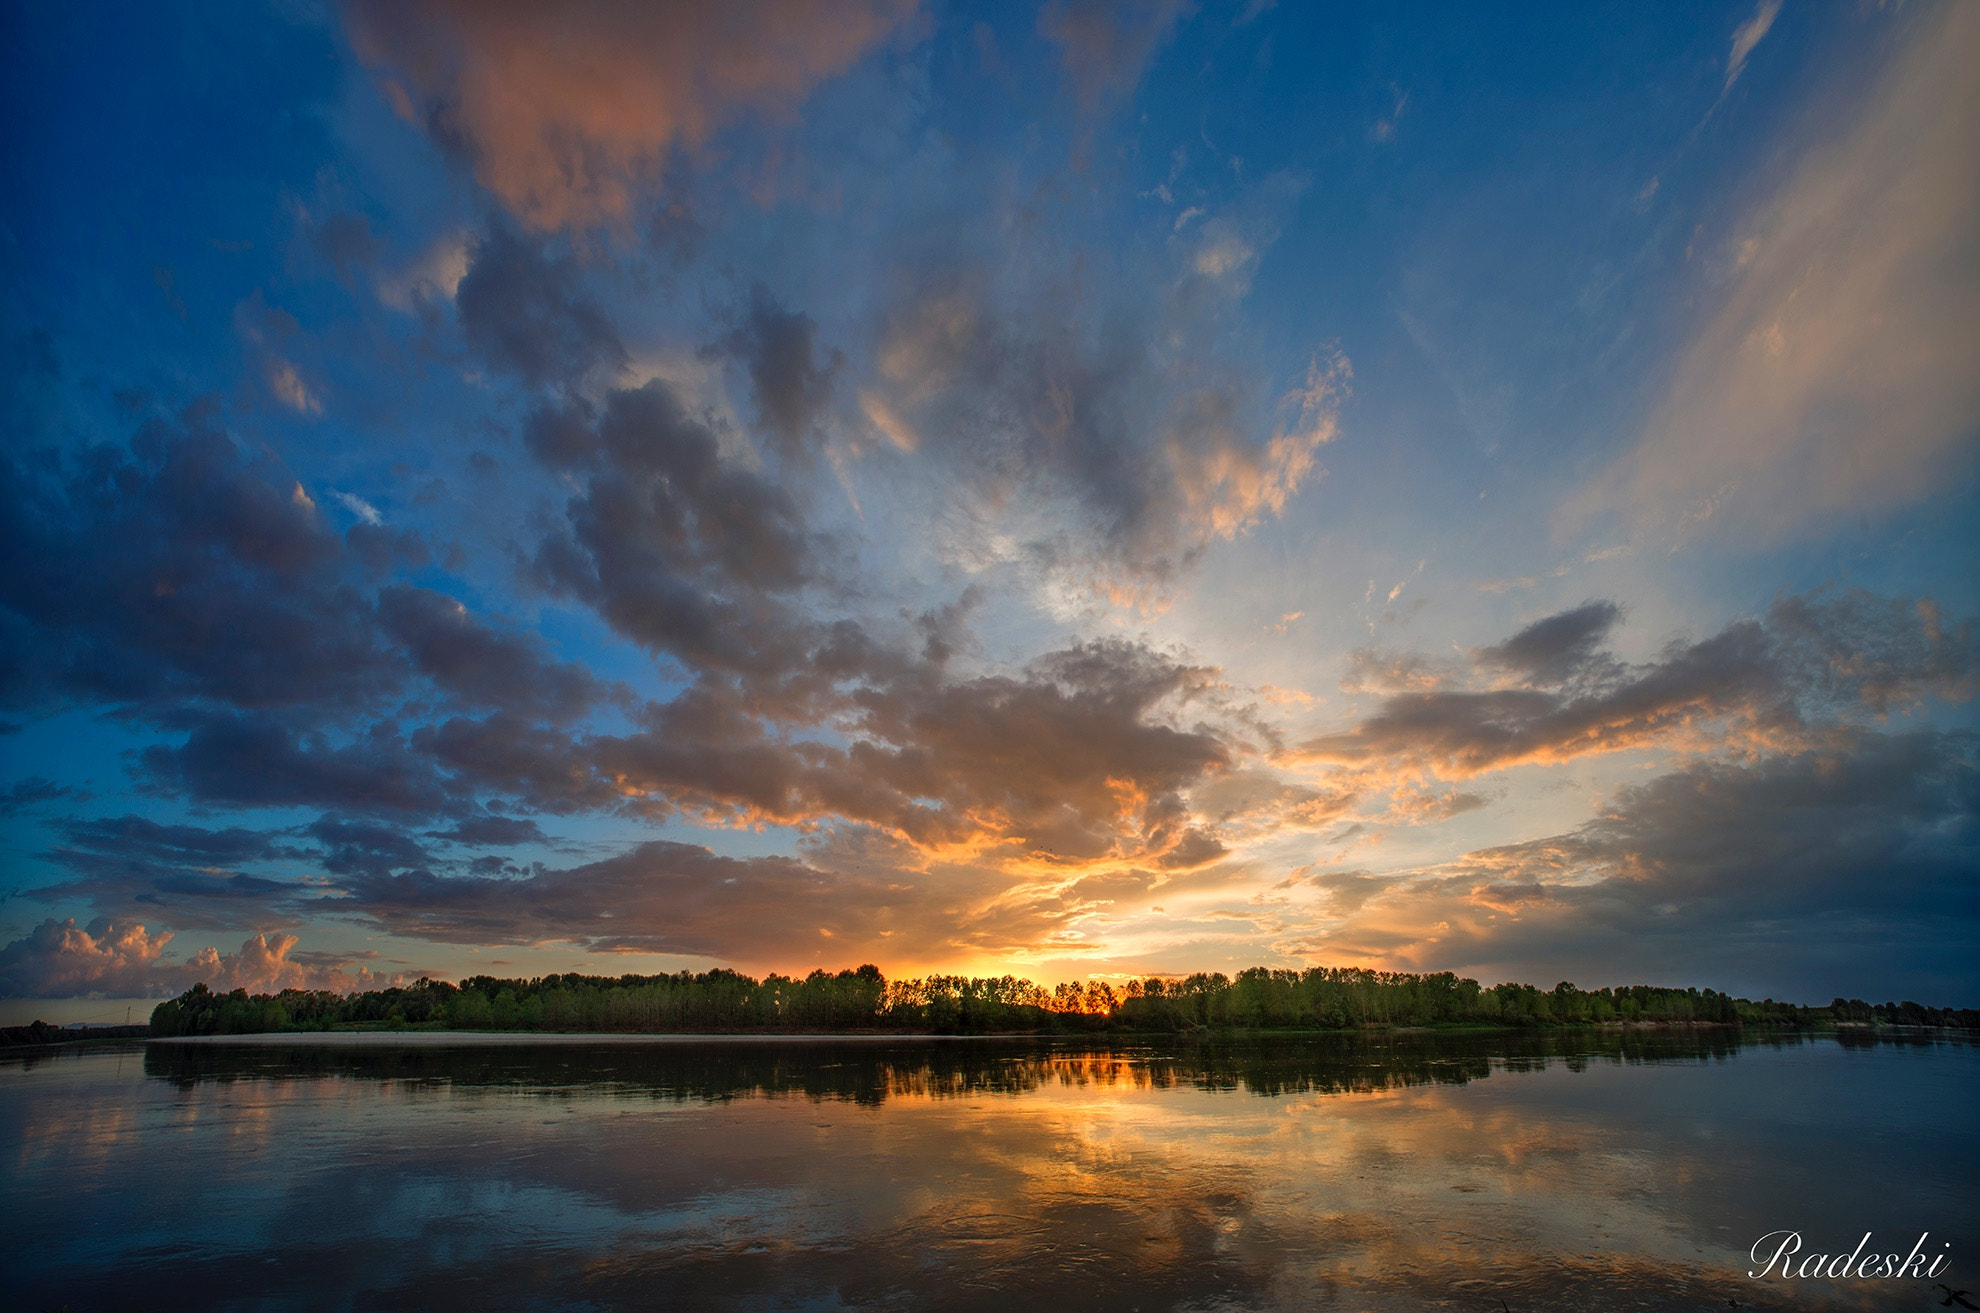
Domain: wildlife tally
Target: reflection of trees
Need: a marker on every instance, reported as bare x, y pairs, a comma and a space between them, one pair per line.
862, 1000
872, 1073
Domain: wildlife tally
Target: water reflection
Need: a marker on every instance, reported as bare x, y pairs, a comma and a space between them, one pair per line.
867, 1072
1446, 1171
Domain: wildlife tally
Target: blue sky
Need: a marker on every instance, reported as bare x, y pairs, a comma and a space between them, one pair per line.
1071, 491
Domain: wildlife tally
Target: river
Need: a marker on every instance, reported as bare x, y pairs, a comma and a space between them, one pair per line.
1584, 1170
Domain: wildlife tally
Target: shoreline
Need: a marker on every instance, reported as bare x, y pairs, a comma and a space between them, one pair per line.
529, 1038
520, 1038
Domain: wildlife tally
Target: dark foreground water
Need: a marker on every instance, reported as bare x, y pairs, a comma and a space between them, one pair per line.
1489, 1173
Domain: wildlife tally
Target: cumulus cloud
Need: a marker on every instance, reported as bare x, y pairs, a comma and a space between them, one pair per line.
568, 112
521, 307
197, 588
479, 664
132, 566
1839, 372
1105, 445
790, 378
265, 965
58, 959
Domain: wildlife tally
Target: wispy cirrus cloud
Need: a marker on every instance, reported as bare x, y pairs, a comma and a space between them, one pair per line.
1839, 370
1747, 36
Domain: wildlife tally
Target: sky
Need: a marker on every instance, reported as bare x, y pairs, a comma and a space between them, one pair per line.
1071, 491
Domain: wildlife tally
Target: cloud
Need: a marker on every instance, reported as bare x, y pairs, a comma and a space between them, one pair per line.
760, 912
569, 112
1075, 757
263, 761
1230, 484
1102, 445
359, 507
1778, 680
1103, 47
434, 276
1838, 871
181, 569
521, 309
347, 242
198, 590
27, 794
1554, 650
490, 831
1839, 372
57, 959
180, 876
681, 550
60, 960
479, 665
264, 965
789, 380
351, 847
1746, 36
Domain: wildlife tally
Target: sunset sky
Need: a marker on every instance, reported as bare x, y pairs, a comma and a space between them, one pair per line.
1068, 491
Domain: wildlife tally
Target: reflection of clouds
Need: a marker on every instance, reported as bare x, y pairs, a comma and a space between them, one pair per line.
1157, 1179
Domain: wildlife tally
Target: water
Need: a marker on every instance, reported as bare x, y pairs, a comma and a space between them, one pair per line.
1405, 1172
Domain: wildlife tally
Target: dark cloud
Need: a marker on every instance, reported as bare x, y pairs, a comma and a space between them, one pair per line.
347, 242
182, 875
490, 831
1841, 871
196, 589
352, 847
543, 766
1556, 649
260, 761
789, 380
1779, 679
523, 310
183, 568
1071, 758
33, 792
481, 666
139, 836
680, 550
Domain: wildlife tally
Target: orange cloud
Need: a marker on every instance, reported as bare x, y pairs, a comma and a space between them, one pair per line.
568, 111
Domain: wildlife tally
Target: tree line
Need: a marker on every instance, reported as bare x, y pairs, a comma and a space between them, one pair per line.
1321, 998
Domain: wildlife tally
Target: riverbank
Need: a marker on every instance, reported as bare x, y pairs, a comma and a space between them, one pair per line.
521, 1038
40, 1033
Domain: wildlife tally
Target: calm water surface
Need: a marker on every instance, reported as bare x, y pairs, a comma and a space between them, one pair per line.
1407, 1172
